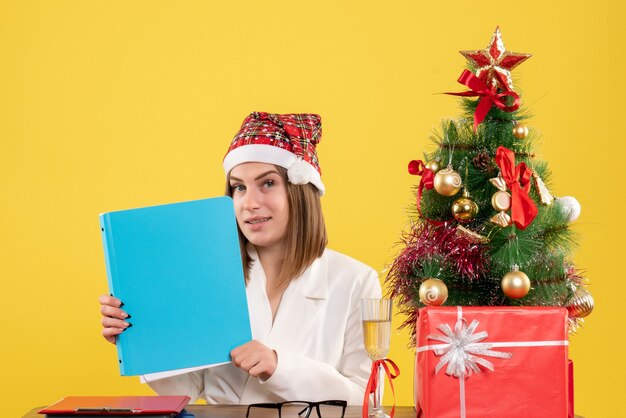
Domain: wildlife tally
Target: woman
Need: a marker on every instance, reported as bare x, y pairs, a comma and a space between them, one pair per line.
303, 299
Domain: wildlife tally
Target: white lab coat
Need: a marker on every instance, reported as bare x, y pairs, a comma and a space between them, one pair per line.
317, 335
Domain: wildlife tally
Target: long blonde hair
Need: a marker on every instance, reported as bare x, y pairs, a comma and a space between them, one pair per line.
305, 238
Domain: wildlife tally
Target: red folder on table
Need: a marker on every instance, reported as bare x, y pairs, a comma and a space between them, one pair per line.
118, 406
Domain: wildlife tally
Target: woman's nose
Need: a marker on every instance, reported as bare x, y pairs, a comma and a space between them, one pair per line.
251, 199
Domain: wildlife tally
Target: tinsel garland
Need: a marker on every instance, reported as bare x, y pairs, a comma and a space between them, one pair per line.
422, 243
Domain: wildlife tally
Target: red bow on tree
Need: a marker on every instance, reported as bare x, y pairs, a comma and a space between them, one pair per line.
417, 168
489, 96
517, 178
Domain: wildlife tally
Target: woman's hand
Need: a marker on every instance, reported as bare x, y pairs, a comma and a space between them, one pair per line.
113, 317
256, 359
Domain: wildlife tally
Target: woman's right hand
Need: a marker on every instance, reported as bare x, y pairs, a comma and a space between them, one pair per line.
113, 317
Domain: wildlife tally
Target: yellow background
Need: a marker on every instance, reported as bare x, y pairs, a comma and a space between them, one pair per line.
109, 105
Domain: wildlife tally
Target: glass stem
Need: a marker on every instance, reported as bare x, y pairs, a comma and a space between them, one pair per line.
379, 392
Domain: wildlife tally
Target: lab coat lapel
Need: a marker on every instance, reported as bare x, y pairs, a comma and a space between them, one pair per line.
300, 306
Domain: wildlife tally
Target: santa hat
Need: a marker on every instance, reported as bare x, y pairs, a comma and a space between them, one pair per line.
285, 140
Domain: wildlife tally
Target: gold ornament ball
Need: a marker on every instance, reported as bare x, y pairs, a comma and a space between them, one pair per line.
433, 166
501, 201
433, 292
515, 284
447, 182
520, 131
581, 303
464, 209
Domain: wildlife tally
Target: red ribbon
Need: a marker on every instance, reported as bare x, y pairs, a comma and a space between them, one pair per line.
517, 178
372, 384
489, 96
418, 168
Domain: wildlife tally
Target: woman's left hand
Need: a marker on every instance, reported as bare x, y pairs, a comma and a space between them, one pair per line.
255, 358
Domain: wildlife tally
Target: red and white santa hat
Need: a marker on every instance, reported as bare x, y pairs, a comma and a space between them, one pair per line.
285, 140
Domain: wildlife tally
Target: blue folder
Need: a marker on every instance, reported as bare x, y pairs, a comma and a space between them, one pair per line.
177, 268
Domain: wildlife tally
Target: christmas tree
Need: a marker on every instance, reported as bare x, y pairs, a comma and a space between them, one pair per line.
486, 231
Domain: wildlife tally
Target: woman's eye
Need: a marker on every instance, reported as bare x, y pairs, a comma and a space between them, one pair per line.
269, 183
238, 188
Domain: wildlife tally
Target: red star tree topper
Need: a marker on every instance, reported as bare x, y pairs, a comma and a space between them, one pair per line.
494, 63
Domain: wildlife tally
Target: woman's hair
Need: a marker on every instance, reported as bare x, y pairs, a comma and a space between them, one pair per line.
305, 237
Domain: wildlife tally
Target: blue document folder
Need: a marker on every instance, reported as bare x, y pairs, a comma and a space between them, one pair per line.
177, 269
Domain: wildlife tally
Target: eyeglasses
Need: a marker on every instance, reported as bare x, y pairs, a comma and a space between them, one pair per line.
302, 409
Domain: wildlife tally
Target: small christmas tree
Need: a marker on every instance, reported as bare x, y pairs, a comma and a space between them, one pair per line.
486, 230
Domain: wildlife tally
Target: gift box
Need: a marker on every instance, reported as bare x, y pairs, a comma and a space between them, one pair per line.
492, 362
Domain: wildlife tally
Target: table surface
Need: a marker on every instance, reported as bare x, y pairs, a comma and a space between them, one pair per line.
239, 411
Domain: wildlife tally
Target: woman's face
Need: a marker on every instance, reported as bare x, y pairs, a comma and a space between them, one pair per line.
261, 206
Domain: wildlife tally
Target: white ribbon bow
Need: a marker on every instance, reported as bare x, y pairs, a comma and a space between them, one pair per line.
462, 348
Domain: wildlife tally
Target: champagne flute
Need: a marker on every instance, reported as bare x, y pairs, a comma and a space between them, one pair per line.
376, 315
